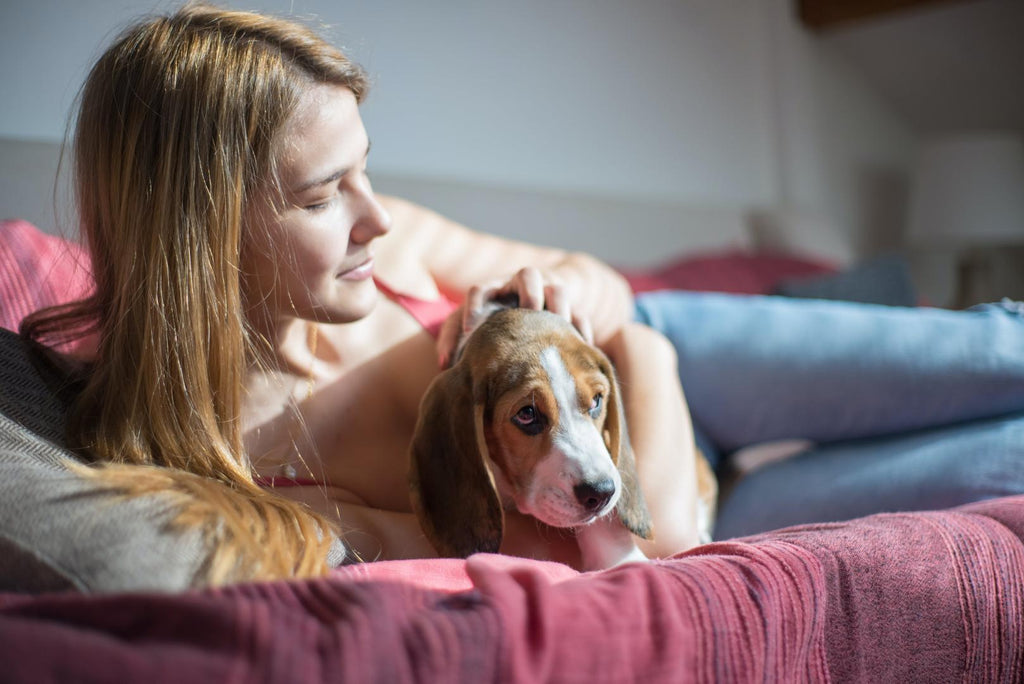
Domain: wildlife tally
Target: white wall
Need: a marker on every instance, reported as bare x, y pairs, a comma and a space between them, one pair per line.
716, 103
841, 151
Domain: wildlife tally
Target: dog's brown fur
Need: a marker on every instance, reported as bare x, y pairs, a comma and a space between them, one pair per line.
463, 426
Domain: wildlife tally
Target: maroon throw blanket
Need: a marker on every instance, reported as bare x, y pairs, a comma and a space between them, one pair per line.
898, 597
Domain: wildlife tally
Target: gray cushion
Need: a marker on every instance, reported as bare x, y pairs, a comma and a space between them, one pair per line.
58, 530
61, 531
881, 280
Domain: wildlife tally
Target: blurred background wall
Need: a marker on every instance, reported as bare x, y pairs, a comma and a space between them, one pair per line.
635, 129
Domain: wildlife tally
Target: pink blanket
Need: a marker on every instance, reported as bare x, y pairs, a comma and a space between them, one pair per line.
898, 597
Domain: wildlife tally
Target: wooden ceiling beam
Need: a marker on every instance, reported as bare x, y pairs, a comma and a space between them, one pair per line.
821, 15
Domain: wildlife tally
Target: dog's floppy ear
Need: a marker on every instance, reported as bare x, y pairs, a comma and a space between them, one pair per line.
632, 508
452, 488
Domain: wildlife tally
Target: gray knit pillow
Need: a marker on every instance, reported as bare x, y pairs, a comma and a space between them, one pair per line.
59, 531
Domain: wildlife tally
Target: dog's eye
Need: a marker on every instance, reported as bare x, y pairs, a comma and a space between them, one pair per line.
529, 420
595, 406
526, 416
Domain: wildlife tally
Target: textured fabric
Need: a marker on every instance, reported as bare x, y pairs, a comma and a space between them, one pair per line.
925, 469
912, 408
59, 531
30, 393
760, 369
927, 597
56, 524
37, 270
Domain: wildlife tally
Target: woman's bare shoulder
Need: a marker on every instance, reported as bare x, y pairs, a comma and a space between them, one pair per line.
411, 223
402, 254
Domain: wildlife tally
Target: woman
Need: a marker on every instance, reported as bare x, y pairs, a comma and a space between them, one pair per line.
257, 310
238, 250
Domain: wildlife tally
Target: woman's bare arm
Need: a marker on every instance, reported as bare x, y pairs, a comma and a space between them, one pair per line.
661, 433
657, 414
368, 533
371, 534
459, 259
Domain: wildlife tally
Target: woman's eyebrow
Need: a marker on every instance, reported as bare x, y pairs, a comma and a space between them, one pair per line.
332, 177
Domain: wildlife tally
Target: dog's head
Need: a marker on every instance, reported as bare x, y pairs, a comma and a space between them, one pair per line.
530, 415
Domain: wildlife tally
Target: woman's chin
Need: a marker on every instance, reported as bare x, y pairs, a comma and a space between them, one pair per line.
354, 304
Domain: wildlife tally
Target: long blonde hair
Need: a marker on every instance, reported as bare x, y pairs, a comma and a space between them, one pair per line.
178, 127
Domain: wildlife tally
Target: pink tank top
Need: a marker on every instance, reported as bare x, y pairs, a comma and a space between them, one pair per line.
430, 313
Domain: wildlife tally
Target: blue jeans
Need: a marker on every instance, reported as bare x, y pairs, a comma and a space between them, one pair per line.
910, 408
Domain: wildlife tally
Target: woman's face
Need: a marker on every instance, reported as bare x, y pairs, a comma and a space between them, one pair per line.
312, 257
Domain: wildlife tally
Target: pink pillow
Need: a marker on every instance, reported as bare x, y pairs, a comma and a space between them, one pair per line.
449, 575
37, 270
727, 271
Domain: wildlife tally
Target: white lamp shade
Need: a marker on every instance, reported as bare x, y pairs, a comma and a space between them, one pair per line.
969, 190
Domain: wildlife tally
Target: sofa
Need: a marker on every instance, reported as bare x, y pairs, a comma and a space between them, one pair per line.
95, 589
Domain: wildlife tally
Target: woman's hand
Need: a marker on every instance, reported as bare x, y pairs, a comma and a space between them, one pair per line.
535, 288
583, 288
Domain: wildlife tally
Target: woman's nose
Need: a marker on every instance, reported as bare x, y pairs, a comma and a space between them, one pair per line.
372, 221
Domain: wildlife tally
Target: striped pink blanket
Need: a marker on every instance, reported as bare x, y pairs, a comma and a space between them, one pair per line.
922, 597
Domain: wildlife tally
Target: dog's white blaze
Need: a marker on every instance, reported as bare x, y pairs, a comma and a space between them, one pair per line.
579, 451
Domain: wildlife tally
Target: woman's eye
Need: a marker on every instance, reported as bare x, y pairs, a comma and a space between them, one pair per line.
595, 405
319, 206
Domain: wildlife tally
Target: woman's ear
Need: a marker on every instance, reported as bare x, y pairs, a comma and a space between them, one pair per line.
451, 486
632, 508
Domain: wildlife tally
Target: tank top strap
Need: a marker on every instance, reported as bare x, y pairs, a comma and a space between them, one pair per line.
429, 313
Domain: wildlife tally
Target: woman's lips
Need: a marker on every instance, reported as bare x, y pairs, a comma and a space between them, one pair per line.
360, 272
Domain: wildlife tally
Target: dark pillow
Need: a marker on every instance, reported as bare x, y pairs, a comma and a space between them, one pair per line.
58, 530
882, 280
61, 531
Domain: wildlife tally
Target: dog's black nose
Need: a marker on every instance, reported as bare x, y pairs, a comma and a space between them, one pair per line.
594, 495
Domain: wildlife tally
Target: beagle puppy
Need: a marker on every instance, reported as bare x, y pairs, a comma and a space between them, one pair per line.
529, 416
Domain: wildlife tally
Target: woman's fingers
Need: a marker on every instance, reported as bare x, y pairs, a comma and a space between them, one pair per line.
448, 338
476, 299
555, 301
586, 330
534, 289
528, 285
540, 290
